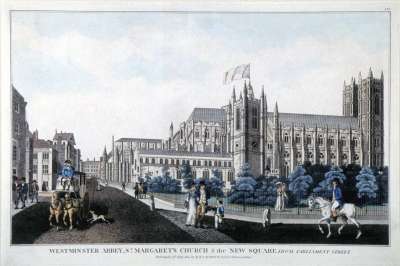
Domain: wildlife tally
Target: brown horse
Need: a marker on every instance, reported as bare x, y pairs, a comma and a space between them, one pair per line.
72, 209
56, 208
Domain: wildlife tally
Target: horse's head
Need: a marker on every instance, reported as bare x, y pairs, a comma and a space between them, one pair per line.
311, 202
67, 196
54, 196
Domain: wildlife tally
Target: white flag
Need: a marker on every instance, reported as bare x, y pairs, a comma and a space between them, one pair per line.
239, 72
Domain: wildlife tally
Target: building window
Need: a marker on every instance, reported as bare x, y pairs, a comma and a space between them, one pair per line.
14, 153
34, 156
16, 129
331, 141
194, 162
344, 156
207, 134
269, 146
197, 134
161, 161
321, 155
376, 106
34, 169
310, 155
45, 169
237, 119
308, 139
355, 142
356, 157
333, 156
147, 160
298, 154
206, 174
376, 142
16, 107
343, 142
219, 163
320, 140
286, 154
286, 138
45, 155
297, 139
199, 163
254, 117
230, 176
229, 164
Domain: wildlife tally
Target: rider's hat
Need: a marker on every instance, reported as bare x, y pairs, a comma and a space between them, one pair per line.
335, 180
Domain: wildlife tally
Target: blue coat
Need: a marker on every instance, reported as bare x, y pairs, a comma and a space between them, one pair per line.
337, 192
67, 171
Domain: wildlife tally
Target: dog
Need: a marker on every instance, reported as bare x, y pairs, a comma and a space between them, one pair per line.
97, 217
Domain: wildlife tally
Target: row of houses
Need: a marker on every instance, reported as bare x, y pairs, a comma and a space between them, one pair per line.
38, 159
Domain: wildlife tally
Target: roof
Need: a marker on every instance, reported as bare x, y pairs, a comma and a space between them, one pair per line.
310, 120
138, 139
65, 136
207, 115
185, 153
42, 144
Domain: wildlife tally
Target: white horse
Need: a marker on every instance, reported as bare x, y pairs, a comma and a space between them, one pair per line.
346, 213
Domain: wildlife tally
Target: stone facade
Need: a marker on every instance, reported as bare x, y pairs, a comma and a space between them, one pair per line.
65, 145
245, 131
91, 168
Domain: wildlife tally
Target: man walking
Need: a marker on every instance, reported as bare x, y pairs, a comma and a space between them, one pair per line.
35, 191
15, 192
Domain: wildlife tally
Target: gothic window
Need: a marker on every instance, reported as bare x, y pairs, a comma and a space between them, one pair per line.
254, 144
355, 142
237, 119
320, 140
16, 129
287, 169
298, 154
45, 155
308, 139
376, 142
147, 160
321, 155
333, 156
356, 157
230, 176
286, 138
254, 117
194, 162
16, 107
310, 155
344, 156
206, 174
343, 142
269, 146
207, 134
286, 154
331, 141
181, 132
297, 139
178, 174
153, 161
376, 105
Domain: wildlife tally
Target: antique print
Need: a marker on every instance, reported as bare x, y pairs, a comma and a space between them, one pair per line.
186, 127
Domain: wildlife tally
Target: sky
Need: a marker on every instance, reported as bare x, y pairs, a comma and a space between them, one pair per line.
130, 74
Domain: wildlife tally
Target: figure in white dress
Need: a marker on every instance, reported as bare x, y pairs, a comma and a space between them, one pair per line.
281, 196
190, 204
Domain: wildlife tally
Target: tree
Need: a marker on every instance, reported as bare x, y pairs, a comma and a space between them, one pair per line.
366, 183
299, 183
325, 186
164, 184
186, 175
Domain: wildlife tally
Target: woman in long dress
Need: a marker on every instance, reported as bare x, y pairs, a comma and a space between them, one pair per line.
280, 197
190, 203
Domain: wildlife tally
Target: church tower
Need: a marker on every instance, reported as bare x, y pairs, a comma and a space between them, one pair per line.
249, 124
370, 119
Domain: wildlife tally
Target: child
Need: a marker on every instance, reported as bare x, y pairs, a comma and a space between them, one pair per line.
219, 214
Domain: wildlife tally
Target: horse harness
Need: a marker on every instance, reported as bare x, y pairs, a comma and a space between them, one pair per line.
55, 203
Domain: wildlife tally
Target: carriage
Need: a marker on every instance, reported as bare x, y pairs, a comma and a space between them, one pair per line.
77, 190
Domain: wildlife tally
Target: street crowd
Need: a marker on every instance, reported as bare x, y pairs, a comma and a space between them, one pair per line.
23, 192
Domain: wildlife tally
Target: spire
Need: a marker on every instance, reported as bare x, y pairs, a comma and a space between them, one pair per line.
171, 130
382, 75
359, 77
262, 91
105, 150
370, 75
234, 94
240, 97
245, 90
276, 109
251, 92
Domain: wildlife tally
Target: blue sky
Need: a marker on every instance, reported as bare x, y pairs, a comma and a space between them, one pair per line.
131, 73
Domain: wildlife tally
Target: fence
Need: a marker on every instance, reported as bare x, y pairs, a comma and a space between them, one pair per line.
295, 208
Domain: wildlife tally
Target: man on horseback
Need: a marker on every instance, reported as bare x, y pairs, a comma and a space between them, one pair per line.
337, 198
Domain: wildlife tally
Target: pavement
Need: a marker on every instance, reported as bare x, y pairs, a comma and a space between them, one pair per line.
42, 196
